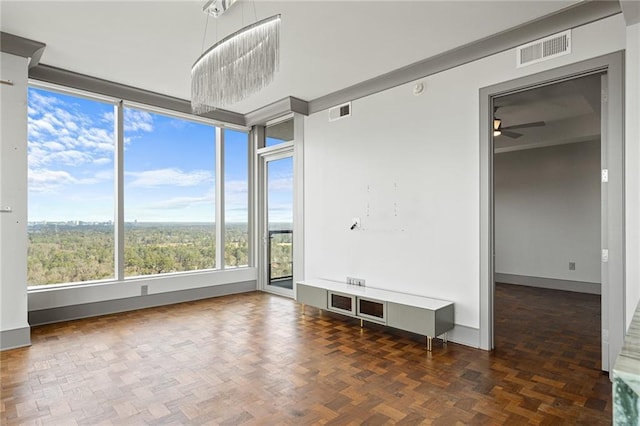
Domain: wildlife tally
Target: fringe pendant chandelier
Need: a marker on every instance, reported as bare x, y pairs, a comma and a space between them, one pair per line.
237, 66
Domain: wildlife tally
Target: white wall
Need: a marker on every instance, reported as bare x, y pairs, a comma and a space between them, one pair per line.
13, 194
547, 212
632, 169
421, 155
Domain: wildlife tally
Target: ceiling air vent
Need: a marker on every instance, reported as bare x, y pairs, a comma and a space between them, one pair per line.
340, 111
543, 49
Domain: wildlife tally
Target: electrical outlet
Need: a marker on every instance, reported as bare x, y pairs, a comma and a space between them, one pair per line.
355, 281
572, 266
144, 290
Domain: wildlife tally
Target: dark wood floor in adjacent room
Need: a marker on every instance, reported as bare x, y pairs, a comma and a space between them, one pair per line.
254, 359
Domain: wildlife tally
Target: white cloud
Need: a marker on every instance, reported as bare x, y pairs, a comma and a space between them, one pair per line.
61, 135
70, 157
236, 194
183, 202
43, 180
236, 187
107, 117
102, 160
169, 177
100, 139
54, 146
281, 184
37, 155
71, 126
40, 126
135, 120
40, 101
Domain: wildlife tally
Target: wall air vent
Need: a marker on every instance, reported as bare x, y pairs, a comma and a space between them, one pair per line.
340, 111
543, 49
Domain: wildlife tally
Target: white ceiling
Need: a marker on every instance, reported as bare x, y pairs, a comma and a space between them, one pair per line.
325, 45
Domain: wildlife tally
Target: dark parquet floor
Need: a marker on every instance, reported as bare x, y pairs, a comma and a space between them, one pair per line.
254, 359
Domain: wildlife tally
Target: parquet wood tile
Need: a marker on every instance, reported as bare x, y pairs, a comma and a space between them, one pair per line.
254, 359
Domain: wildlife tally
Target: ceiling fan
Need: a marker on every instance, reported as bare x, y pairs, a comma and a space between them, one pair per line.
498, 130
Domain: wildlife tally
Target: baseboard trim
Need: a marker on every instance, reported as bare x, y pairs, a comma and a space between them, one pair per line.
86, 310
549, 283
16, 338
467, 336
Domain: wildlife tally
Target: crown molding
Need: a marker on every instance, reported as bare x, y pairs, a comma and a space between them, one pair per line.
61, 77
571, 17
20, 46
631, 11
277, 109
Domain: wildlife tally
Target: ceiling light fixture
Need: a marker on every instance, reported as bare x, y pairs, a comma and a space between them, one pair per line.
216, 8
238, 65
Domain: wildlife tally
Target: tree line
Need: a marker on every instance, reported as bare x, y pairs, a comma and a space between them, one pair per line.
70, 253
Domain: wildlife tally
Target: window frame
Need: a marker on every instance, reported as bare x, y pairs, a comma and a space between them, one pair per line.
222, 178
118, 249
263, 146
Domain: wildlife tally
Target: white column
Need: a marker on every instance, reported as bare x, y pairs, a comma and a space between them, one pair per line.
14, 327
632, 171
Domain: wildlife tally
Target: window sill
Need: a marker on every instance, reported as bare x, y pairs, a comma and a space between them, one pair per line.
58, 295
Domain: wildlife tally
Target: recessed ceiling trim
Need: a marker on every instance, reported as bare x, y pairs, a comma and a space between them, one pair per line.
571, 17
53, 75
23, 47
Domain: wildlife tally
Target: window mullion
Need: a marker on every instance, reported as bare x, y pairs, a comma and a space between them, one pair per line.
256, 133
220, 237
118, 162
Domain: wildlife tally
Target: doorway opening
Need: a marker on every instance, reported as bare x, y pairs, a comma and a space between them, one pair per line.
279, 220
277, 226
547, 221
612, 252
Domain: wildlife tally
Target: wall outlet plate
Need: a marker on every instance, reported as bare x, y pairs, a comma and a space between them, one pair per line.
355, 281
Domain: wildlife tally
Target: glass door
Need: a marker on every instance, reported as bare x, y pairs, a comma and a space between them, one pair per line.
278, 229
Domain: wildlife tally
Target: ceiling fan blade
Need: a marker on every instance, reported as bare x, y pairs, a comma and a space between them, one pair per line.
525, 125
512, 135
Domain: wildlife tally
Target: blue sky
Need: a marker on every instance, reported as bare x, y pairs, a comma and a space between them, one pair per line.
280, 191
169, 165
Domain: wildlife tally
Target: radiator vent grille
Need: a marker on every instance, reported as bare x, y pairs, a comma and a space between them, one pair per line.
544, 49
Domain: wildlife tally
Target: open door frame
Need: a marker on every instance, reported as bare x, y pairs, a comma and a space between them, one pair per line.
612, 218
259, 155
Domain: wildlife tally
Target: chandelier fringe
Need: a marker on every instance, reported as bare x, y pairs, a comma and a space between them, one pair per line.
237, 66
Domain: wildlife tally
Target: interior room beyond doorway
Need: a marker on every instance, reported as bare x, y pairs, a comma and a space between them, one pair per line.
547, 193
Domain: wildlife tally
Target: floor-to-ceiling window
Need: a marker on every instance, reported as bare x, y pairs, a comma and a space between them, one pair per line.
236, 187
165, 202
71, 188
169, 194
